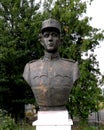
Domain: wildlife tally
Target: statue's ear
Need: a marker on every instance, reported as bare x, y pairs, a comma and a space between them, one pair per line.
41, 39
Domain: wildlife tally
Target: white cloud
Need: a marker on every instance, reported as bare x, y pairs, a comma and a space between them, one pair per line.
96, 11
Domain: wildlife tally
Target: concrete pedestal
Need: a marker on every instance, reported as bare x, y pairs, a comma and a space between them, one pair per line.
53, 120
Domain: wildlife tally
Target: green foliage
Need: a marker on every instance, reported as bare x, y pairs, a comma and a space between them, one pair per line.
87, 128
6, 122
25, 127
82, 126
78, 39
20, 23
19, 30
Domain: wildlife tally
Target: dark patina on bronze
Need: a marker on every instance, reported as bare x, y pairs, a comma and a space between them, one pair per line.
51, 78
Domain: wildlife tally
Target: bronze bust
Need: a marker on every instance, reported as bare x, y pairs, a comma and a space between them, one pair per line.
51, 78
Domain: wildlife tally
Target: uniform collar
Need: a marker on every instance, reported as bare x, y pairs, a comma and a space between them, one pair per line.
51, 56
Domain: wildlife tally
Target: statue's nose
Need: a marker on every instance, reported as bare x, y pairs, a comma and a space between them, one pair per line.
50, 37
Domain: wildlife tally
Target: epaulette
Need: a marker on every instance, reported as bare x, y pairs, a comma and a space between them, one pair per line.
32, 61
70, 60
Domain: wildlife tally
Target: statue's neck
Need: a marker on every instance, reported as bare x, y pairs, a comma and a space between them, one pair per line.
51, 56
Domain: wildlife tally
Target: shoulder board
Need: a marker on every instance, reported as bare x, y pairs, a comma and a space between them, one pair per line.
70, 60
32, 61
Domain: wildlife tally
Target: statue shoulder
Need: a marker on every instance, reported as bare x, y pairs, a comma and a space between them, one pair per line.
34, 61
69, 60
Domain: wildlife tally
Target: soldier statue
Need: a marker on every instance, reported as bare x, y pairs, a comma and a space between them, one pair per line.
51, 77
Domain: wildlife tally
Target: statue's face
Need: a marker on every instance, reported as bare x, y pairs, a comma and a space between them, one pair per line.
50, 41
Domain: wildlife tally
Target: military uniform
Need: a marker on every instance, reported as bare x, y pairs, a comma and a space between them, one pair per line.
51, 79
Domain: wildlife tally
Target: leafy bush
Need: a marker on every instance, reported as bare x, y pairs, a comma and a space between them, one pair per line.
6, 122
25, 127
88, 127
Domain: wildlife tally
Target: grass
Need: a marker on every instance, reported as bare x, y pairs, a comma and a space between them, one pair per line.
80, 127
25, 127
101, 127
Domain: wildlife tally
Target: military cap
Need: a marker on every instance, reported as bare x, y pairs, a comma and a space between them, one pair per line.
51, 23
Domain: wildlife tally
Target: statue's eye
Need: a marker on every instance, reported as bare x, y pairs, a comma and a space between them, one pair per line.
54, 34
46, 35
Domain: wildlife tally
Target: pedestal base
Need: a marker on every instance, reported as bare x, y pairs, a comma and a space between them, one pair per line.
53, 120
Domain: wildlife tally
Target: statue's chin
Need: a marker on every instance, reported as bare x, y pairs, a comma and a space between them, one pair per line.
51, 50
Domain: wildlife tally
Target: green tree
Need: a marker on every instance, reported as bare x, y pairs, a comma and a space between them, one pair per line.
19, 28
20, 23
79, 37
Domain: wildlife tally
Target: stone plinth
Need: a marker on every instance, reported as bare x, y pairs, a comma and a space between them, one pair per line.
53, 120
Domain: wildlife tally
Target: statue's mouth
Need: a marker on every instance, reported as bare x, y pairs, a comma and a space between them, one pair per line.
50, 44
